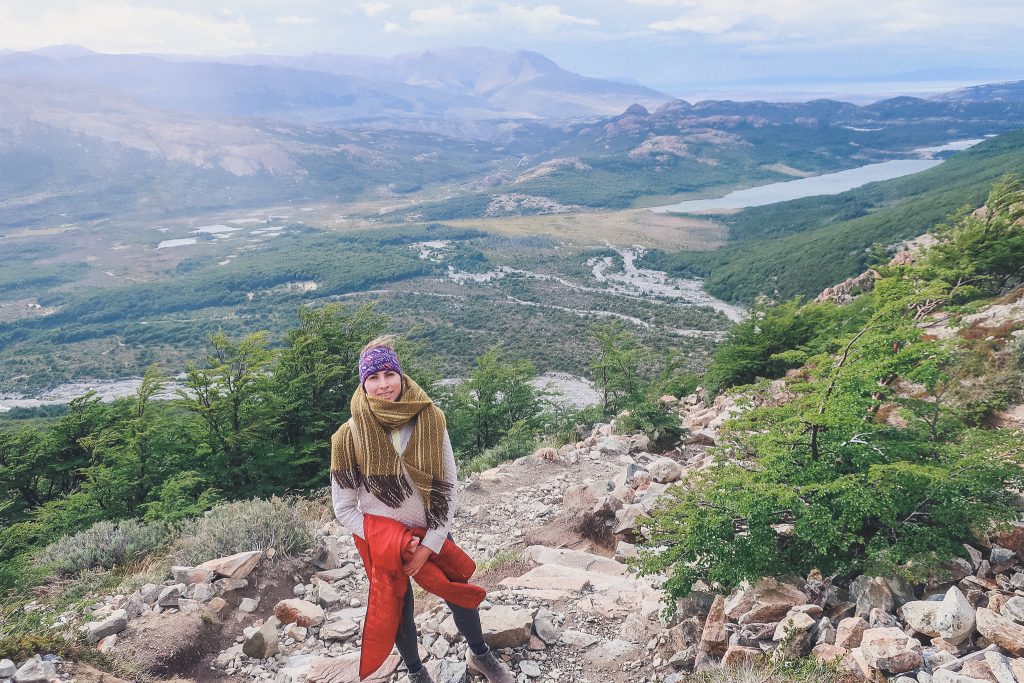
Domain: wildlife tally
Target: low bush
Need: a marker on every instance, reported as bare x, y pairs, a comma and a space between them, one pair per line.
104, 545
236, 527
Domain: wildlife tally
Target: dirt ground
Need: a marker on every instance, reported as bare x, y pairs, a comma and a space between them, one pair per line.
184, 645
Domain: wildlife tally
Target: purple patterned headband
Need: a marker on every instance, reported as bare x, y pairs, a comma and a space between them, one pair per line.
376, 359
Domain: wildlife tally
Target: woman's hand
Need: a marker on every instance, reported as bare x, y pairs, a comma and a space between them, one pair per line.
419, 558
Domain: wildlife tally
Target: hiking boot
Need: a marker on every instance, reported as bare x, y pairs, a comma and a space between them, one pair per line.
421, 676
490, 667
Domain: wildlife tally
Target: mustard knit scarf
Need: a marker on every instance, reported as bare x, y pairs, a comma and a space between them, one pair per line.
362, 452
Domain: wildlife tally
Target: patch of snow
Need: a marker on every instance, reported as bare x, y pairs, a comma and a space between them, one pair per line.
166, 244
215, 230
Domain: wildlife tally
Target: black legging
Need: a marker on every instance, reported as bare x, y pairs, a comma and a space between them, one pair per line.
466, 620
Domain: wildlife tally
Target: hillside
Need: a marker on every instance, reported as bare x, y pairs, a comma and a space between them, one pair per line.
807, 513
800, 247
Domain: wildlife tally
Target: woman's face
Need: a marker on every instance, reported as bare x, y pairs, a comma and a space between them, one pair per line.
385, 385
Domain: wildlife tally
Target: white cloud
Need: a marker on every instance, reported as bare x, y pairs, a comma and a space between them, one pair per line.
294, 21
117, 26
372, 9
502, 16
798, 24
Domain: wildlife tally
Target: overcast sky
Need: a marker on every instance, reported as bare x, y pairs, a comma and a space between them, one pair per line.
683, 47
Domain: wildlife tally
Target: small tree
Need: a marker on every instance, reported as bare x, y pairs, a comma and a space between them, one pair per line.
618, 366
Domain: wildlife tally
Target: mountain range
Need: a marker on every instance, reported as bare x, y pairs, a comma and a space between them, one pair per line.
86, 135
462, 84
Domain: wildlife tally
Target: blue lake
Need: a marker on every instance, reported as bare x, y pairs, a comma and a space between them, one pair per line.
830, 183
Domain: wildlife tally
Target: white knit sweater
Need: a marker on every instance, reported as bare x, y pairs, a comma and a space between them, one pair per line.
351, 504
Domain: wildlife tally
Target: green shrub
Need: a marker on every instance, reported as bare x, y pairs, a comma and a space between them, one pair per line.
660, 421
519, 441
104, 545
245, 525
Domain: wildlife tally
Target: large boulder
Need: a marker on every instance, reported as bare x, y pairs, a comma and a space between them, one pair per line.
922, 616
262, 642
188, 575
870, 592
768, 601
955, 617
714, 640
237, 566
850, 631
891, 650
1013, 609
665, 470
1001, 631
298, 611
739, 656
31, 671
115, 623
506, 626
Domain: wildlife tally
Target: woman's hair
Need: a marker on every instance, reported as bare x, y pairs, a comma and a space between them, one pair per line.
384, 341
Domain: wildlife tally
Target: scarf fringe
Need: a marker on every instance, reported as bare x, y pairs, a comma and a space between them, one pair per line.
437, 509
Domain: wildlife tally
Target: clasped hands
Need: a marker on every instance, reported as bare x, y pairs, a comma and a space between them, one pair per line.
414, 556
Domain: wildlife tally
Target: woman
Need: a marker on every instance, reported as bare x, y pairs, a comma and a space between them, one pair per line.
394, 460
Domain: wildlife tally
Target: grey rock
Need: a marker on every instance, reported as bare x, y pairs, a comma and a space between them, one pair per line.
248, 604
31, 671
921, 615
170, 594
338, 574
869, 592
189, 605
227, 585
1013, 609
190, 575
150, 593
203, 592
133, 605
444, 671
532, 669
342, 629
879, 619
901, 589
580, 639
545, 628
665, 470
1001, 558
115, 623
328, 597
974, 555
1000, 667
955, 618
7, 668
826, 632
262, 642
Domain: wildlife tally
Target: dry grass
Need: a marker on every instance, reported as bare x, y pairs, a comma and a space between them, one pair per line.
632, 226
